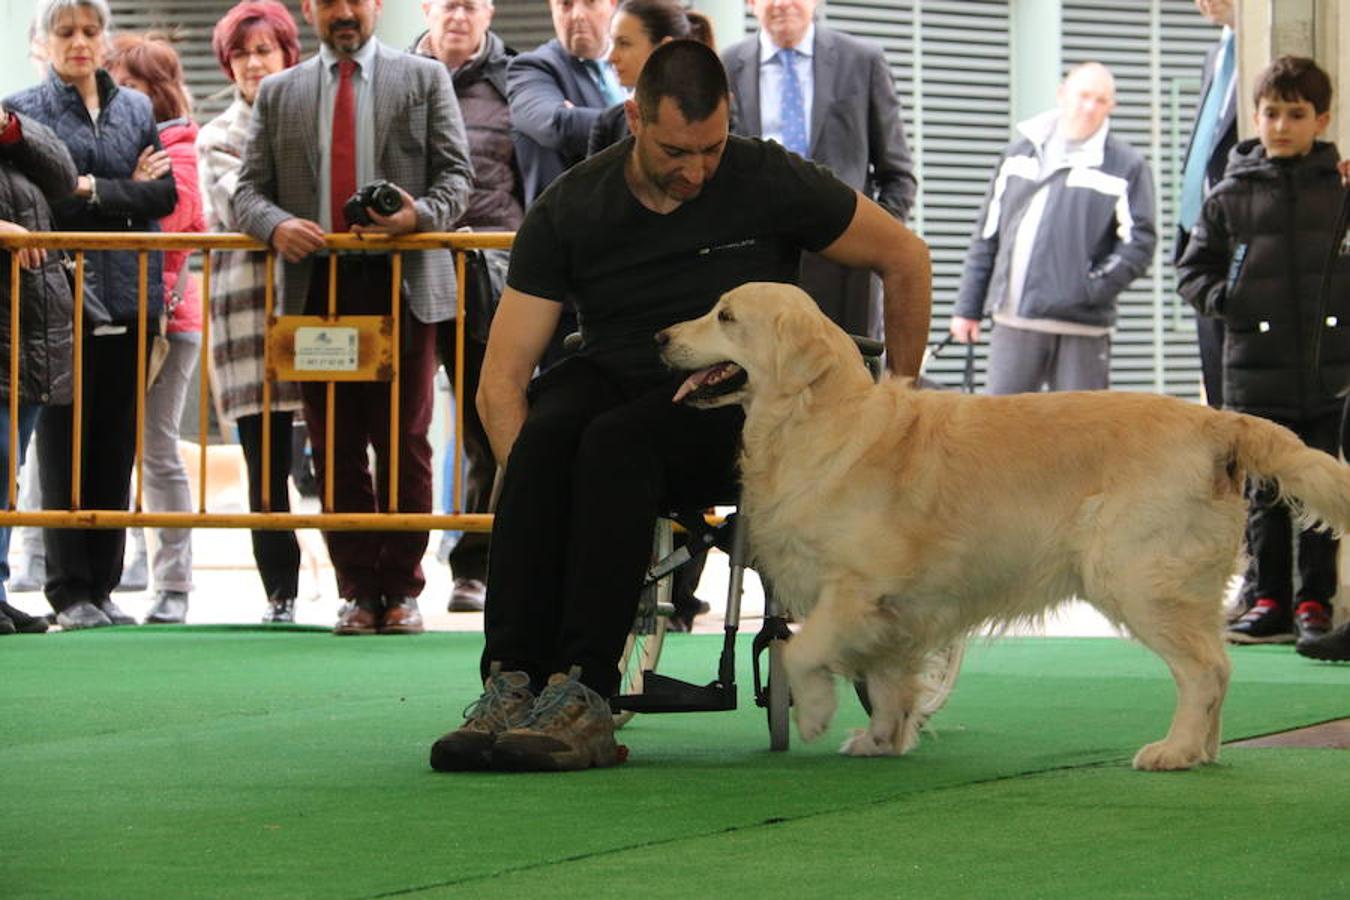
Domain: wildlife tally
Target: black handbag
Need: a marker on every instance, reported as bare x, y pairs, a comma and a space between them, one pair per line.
484, 280
95, 313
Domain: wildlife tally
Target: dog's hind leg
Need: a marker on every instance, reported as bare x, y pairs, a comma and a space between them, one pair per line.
894, 693
815, 653
1187, 636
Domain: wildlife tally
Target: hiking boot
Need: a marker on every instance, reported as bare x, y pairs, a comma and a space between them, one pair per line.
1334, 646
7, 625
1312, 620
505, 703
570, 727
1264, 623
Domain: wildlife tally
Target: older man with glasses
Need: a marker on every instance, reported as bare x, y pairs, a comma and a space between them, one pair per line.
458, 34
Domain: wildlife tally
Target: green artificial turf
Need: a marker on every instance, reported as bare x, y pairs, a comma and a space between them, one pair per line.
237, 762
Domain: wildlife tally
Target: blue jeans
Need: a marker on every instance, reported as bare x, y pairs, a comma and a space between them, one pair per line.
28, 413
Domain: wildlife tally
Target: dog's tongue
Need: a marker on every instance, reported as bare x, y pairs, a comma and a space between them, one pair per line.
703, 378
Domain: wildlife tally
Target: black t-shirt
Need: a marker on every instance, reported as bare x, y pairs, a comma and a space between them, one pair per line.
631, 272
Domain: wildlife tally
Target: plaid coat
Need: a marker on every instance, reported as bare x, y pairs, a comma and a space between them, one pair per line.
419, 145
237, 276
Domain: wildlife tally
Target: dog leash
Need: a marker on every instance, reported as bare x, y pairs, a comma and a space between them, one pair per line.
968, 377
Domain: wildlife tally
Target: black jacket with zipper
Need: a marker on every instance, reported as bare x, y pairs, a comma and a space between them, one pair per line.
1256, 260
35, 171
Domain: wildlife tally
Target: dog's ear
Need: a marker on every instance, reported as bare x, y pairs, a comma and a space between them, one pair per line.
801, 353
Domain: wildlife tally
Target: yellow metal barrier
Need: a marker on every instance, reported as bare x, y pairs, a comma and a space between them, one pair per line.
144, 244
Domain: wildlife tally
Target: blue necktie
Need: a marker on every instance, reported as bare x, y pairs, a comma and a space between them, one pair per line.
793, 109
604, 80
1206, 135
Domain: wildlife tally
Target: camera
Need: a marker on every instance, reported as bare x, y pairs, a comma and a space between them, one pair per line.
380, 196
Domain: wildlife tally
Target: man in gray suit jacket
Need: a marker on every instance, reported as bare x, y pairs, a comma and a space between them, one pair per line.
356, 112
853, 125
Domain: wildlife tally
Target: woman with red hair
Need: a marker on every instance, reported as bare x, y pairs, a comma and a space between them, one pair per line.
149, 64
253, 40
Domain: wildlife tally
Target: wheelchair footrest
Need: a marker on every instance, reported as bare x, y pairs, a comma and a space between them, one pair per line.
663, 694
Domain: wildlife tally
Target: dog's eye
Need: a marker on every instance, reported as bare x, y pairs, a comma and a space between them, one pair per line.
724, 315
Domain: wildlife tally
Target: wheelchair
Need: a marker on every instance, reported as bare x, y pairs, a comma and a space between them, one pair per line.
644, 690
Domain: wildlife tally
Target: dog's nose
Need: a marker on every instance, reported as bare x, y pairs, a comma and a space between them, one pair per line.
662, 338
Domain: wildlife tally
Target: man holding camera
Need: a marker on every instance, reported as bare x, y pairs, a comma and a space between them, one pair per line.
323, 131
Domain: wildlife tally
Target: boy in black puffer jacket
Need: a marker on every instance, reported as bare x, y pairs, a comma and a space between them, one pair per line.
1256, 260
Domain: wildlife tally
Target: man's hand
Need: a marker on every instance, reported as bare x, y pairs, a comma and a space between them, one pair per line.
297, 238
402, 222
1344, 167
967, 331
29, 257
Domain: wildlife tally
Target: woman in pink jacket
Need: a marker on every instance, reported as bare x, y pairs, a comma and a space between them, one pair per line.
150, 65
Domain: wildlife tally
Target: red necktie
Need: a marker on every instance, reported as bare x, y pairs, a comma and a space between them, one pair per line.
342, 157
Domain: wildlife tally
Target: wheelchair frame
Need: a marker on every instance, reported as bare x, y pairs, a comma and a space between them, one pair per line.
643, 690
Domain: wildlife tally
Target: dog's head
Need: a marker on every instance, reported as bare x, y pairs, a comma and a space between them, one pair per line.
760, 338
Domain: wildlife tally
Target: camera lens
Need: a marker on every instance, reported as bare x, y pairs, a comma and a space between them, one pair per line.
385, 199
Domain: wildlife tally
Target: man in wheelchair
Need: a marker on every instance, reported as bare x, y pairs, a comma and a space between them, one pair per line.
646, 234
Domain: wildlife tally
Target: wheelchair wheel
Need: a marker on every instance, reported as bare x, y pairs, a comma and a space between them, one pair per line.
939, 676
780, 700
640, 654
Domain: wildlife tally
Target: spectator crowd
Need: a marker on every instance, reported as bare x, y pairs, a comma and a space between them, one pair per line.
645, 174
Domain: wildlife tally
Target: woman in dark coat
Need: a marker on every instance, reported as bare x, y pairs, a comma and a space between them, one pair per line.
35, 170
111, 134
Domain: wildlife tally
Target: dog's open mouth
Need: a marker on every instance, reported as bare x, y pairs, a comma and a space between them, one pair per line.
711, 383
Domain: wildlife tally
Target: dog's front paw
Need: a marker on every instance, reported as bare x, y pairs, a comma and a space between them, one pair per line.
814, 700
860, 742
1165, 756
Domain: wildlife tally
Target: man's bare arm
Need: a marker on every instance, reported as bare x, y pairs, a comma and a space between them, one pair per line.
874, 240
521, 329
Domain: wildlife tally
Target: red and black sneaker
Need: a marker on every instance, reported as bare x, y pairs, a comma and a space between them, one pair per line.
1265, 623
1312, 620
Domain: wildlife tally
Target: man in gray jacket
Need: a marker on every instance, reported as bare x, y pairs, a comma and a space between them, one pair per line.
1067, 224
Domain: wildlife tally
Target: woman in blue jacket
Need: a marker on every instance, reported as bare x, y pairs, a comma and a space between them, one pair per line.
110, 132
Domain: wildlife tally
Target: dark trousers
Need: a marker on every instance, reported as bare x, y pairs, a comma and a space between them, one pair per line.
469, 557
1270, 534
594, 465
1209, 339
374, 565
85, 564
277, 553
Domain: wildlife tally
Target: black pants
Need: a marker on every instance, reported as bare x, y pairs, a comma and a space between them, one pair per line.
1270, 534
469, 558
85, 564
594, 465
277, 553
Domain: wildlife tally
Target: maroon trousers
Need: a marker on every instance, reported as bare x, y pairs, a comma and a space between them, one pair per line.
374, 567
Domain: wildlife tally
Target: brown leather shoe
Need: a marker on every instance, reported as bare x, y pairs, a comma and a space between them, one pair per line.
401, 616
358, 617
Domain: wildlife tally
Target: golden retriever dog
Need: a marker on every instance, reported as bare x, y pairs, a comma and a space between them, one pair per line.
892, 521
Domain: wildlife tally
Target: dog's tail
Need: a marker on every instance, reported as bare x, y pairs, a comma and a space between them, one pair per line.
1315, 483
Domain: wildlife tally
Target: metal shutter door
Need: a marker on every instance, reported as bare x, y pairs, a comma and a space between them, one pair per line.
1155, 48
952, 72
